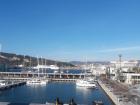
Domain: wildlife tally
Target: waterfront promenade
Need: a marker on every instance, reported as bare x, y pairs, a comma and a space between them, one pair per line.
117, 93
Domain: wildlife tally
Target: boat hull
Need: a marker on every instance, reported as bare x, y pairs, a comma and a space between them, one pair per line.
36, 82
83, 83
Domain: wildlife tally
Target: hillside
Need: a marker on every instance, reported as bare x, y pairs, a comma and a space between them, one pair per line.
12, 60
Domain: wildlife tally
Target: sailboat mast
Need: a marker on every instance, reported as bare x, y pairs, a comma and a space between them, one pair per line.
42, 64
30, 62
38, 65
0, 48
85, 68
45, 61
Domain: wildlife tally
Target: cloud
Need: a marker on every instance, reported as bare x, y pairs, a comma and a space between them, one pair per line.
120, 49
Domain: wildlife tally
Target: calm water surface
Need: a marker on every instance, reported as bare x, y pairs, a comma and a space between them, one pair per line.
64, 90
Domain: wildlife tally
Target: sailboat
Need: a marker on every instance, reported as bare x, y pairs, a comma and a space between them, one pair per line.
38, 80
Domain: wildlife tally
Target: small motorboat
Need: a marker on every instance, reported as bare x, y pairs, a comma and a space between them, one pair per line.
98, 103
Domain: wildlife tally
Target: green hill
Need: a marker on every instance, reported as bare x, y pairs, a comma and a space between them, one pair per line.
14, 60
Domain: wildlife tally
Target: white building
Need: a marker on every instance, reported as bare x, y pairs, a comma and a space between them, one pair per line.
132, 78
98, 69
125, 64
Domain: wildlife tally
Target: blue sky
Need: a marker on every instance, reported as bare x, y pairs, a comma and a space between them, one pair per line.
71, 29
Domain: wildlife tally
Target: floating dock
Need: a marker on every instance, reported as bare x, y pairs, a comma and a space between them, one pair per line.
11, 85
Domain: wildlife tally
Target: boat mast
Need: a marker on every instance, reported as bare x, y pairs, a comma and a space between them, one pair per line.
45, 62
30, 62
38, 65
0, 48
42, 64
85, 68
23, 62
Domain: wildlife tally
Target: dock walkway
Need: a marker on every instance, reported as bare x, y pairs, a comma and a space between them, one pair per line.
13, 84
112, 96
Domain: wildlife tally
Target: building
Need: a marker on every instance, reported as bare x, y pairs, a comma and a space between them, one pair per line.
124, 64
131, 78
124, 68
98, 69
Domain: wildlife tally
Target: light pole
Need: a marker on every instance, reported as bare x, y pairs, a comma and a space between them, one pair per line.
120, 68
120, 60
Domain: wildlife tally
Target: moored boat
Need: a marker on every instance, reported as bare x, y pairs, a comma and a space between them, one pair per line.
85, 83
2, 83
36, 81
98, 103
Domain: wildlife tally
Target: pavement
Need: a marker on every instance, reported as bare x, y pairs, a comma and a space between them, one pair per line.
119, 92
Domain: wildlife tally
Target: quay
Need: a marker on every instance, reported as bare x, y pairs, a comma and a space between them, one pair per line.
108, 92
117, 93
11, 85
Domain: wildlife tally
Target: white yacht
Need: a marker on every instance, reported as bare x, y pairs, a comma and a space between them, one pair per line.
37, 81
2, 83
85, 83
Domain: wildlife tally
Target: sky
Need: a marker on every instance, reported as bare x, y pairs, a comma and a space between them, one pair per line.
71, 30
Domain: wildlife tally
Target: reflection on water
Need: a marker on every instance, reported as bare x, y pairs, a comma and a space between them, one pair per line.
64, 90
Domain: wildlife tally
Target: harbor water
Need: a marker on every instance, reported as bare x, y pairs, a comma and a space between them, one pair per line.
65, 91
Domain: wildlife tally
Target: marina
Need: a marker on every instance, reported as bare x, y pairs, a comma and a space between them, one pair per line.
69, 52
48, 93
55, 85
